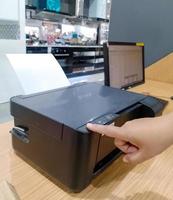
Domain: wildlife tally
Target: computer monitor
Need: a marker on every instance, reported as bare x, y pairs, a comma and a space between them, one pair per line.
124, 64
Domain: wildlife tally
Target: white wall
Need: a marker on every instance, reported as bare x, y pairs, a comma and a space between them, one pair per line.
9, 10
12, 12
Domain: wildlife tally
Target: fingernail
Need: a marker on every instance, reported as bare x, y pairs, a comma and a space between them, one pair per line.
125, 159
89, 125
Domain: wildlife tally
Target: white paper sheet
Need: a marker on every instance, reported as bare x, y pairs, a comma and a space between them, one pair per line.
38, 72
9, 83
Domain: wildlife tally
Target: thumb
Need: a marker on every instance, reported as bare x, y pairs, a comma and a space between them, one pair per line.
108, 130
134, 158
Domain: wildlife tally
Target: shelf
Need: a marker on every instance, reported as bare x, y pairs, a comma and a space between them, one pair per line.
47, 15
60, 56
98, 65
83, 65
73, 62
83, 73
81, 48
87, 57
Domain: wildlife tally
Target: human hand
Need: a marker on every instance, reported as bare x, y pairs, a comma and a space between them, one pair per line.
139, 139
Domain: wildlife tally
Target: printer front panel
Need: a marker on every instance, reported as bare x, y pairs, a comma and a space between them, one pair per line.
107, 152
69, 161
48, 154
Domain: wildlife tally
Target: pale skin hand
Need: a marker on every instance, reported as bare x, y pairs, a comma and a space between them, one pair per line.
140, 139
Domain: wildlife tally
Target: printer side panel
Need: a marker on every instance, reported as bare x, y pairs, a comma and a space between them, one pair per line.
153, 105
68, 161
83, 148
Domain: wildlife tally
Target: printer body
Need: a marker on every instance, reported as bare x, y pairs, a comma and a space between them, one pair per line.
50, 129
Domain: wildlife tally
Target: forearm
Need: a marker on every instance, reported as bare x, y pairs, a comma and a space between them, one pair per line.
140, 139
166, 124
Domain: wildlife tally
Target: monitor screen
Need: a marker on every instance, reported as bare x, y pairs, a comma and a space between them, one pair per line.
54, 5
58, 6
124, 64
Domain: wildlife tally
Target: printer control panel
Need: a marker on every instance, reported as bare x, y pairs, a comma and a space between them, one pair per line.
106, 119
103, 120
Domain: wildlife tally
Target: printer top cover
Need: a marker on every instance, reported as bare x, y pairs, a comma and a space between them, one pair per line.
79, 104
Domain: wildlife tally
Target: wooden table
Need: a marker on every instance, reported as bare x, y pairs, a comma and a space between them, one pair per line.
150, 180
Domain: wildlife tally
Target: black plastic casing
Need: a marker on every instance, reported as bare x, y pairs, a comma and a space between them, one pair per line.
54, 127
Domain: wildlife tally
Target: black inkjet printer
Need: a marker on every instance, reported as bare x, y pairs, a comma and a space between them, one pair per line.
50, 129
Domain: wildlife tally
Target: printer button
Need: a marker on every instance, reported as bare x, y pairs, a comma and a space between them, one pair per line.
106, 119
111, 116
101, 121
83, 129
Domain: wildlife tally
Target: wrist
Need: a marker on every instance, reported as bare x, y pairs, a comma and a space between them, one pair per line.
166, 126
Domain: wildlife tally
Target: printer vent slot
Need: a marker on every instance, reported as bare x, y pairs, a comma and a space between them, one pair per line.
101, 165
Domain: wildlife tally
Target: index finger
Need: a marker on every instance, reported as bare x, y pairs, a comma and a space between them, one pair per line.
108, 130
